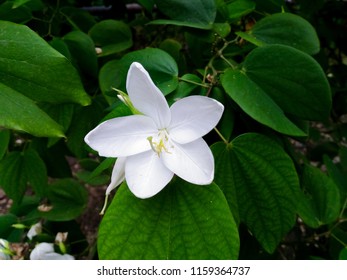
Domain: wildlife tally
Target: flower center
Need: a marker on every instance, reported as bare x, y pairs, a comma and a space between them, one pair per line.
159, 143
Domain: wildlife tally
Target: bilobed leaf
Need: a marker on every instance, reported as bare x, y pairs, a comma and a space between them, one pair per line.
265, 182
225, 176
111, 36
12, 178
20, 169
67, 198
21, 113
35, 170
82, 48
321, 203
193, 13
184, 221
276, 80
256, 103
31, 67
293, 79
284, 28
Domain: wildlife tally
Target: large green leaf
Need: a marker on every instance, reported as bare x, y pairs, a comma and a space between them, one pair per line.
184, 221
161, 67
293, 79
17, 170
193, 13
265, 182
21, 113
284, 28
256, 103
31, 67
276, 80
111, 36
321, 203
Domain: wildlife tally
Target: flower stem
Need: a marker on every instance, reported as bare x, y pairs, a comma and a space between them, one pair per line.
221, 136
102, 212
194, 83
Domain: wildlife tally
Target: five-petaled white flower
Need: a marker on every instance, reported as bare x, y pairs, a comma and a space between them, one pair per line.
160, 142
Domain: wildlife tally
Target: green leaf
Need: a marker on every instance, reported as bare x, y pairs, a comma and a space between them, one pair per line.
264, 179
268, 86
284, 28
256, 103
183, 222
193, 13
19, 15
160, 65
35, 170
6, 222
17, 170
343, 254
12, 179
225, 177
4, 141
67, 199
239, 8
21, 113
78, 18
83, 52
111, 36
31, 67
321, 203
293, 79
18, 3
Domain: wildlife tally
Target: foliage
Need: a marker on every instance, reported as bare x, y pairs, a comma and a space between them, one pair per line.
279, 68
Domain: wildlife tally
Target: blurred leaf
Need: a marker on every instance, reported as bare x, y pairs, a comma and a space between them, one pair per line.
170, 225
18, 14
260, 183
68, 200
193, 13
6, 230
33, 68
18, 3
284, 28
78, 18
4, 141
320, 204
17, 170
111, 36
238, 8
343, 254
83, 52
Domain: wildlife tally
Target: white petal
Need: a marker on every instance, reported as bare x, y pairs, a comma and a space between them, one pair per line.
45, 251
146, 97
193, 117
122, 136
118, 174
146, 175
192, 162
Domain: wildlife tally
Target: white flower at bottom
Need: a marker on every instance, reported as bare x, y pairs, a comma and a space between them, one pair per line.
34, 230
164, 141
5, 252
45, 251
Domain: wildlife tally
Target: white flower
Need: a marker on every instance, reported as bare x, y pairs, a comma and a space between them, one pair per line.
45, 251
161, 142
34, 230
